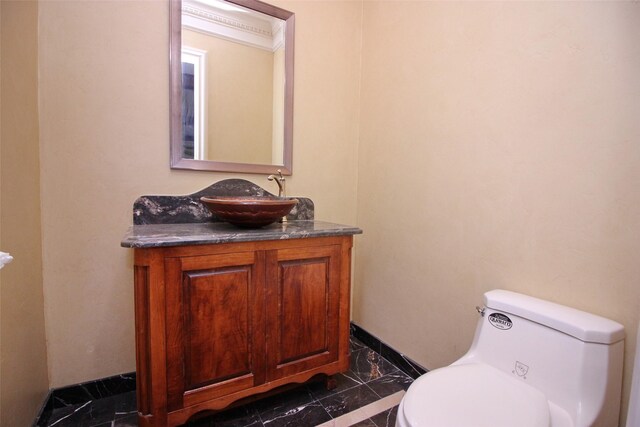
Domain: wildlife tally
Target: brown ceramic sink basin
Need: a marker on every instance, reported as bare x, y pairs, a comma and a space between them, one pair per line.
249, 212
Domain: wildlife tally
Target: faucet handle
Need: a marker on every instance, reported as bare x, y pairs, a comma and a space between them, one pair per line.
280, 180
272, 177
279, 177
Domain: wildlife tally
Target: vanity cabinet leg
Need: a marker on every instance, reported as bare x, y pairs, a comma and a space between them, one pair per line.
330, 382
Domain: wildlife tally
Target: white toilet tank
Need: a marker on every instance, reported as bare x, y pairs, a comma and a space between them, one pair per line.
573, 357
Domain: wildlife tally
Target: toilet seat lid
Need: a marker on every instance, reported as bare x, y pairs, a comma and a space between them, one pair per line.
474, 395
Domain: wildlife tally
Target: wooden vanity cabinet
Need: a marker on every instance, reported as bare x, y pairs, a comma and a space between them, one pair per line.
217, 323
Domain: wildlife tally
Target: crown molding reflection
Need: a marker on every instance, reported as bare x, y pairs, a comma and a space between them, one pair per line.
250, 29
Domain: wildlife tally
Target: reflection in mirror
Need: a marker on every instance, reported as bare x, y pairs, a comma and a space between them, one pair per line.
232, 89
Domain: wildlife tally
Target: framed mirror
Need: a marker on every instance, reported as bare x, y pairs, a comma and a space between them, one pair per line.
231, 94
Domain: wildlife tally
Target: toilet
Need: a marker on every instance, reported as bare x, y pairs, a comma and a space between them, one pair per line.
532, 363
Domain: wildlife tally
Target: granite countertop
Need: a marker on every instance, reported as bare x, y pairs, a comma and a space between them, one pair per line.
203, 233
161, 221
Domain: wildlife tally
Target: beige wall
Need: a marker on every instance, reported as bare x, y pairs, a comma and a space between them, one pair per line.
239, 81
326, 105
279, 81
105, 140
499, 149
23, 360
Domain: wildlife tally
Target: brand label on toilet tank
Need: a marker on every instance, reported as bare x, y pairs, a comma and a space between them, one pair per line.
500, 321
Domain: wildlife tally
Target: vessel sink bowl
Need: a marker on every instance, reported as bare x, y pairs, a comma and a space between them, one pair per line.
249, 212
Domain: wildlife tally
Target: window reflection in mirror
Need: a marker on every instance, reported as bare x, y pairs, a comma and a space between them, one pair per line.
236, 91
194, 110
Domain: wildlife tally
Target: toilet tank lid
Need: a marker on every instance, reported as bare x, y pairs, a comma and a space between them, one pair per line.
585, 326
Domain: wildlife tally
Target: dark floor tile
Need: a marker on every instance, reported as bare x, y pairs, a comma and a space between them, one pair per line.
405, 364
246, 416
281, 403
89, 414
71, 416
70, 396
45, 411
349, 400
411, 368
100, 411
111, 386
128, 421
310, 414
365, 337
390, 383
125, 405
355, 344
43, 421
345, 381
386, 418
369, 378
93, 390
60, 414
369, 365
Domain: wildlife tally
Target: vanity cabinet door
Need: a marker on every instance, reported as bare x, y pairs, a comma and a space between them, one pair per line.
215, 326
302, 308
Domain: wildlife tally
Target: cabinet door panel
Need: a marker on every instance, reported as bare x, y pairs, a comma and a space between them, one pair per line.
215, 328
304, 303
217, 317
302, 309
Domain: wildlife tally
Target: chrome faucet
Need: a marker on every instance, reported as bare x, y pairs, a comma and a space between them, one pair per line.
282, 189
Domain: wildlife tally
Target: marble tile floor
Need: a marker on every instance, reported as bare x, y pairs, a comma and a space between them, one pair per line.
371, 378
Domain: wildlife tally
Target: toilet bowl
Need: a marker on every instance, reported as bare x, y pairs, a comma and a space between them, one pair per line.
532, 363
474, 395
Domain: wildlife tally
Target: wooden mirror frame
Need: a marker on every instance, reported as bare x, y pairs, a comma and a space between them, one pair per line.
175, 94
